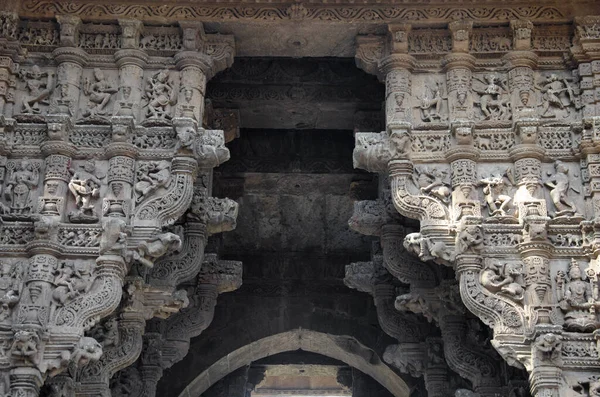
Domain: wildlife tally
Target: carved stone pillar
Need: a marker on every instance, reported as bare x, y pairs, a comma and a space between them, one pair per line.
215, 277
131, 62
71, 59
521, 81
28, 349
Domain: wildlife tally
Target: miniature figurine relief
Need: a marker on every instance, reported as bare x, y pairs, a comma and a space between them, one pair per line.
560, 186
430, 103
152, 176
23, 178
161, 95
39, 86
493, 99
578, 298
156, 247
434, 182
85, 186
99, 93
559, 95
494, 191
504, 279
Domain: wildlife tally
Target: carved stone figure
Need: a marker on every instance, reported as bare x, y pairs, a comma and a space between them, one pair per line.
434, 182
10, 288
558, 94
70, 282
430, 104
560, 185
87, 350
415, 304
493, 100
575, 298
23, 179
85, 187
494, 191
400, 143
548, 348
426, 249
153, 177
25, 345
99, 92
504, 279
160, 94
469, 239
150, 250
39, 89
113, 235
106, 333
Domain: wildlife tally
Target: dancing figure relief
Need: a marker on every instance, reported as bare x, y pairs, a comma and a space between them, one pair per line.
99, 93
161, 94
39, 86
85, 187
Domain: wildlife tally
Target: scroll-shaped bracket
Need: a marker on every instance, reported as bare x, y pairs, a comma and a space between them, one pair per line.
215, 277
470, 360
401, 264
371, 277
369, 51
95, 376
504, 316
429, 210
171, 270
163, 210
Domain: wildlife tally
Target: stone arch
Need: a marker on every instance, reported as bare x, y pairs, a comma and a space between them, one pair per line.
342, 348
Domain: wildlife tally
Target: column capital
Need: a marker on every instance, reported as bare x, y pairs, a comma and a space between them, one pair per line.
461, 31
131, 29
398, 37
69, 30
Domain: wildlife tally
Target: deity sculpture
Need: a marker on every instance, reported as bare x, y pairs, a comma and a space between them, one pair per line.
99, 93
494, 192
559, 185
558, 94
23, 179
39, 89
160, 94
430, 104
575, 297
85, 186
493, 100
156, 175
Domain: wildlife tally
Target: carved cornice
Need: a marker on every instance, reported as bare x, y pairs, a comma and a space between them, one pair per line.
390, 12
